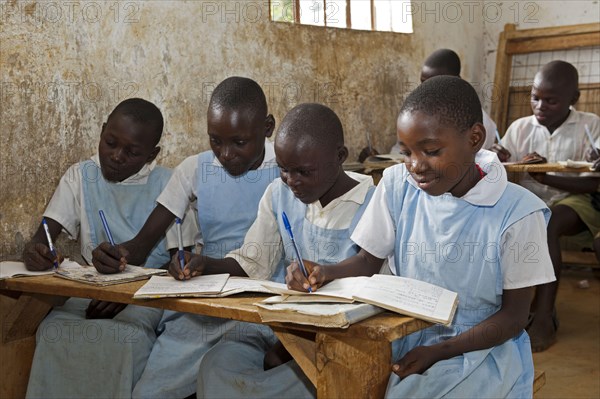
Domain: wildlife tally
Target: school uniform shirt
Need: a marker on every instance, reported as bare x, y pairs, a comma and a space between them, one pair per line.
263, 246
568, 141
234, 367
226, 207
489, 240
67, 207
182, 188
490, 134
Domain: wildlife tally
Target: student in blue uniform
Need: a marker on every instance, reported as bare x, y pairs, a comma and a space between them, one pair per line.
450, 217
323, 204
123, 180
226, 183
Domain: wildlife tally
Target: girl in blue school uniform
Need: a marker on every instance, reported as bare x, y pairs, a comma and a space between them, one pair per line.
323, 204
226, 183
124, 181
449, 217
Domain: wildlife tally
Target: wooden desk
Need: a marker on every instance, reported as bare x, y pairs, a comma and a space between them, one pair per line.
542, 167
353, 362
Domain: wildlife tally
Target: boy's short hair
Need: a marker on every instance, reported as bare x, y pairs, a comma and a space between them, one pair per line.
313, 122
449, 98
561, 73
444, 60
241, 94
142, 111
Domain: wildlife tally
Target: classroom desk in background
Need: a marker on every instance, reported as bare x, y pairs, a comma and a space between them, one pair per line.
353, 362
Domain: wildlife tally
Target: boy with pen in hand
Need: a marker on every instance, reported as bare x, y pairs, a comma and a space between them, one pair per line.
557, 132
122, 179
226, 184
316, 203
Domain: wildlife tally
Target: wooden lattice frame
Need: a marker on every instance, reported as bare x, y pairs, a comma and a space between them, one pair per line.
513, 41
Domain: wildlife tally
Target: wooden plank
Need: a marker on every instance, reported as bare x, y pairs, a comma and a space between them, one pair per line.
23, 319
553, 31
337, 359
542, 167
15, 357
303, 351
539, 380
552, 43
580, 258
502, 81
385, 326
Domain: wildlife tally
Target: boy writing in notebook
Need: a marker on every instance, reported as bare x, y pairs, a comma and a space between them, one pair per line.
226, 183
122, 179
323, 204
450, 217
556, 132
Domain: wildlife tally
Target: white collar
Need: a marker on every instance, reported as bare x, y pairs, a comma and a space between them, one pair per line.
488, 190
357, 194
138, 178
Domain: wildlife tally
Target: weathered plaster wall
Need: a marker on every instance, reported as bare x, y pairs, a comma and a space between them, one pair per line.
65, 64
529, 15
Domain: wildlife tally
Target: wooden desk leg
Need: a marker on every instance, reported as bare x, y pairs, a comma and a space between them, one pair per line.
19, 317
301, 349
351, 367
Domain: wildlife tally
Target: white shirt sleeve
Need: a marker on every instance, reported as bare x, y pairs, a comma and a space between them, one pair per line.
375, 232
189, 231
262, 249
180, 191
524, 257
65, 205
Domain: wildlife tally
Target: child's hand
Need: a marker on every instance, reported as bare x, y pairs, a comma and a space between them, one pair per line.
103, 310
109, 259
416, 361
534, 157
194, 266
295, 278
38, 257
503, 154
592, 154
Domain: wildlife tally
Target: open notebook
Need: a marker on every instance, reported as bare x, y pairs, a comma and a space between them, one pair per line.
215, 285
11, 269
398, 294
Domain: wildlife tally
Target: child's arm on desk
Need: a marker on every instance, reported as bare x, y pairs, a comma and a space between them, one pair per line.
111, 259
36, 254
361, 264
197, 265
509, 321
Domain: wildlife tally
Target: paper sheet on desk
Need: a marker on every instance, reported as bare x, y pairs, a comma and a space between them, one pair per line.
88, 274
11, 269
576, 164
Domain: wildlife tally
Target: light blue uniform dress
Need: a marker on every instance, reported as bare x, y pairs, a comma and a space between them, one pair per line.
234, 367
463, 242
76, 357
227, 207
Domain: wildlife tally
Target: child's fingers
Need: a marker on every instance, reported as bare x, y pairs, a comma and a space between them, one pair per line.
38, 257
107, 259
175, 268
295, 278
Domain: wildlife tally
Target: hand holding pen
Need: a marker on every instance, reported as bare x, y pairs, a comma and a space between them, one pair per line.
296, 280
288, 228
40, 253
109, 258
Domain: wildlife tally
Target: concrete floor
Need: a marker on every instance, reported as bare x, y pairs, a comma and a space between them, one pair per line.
572, 365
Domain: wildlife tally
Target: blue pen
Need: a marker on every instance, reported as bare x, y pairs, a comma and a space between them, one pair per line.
286, 223
180, 241
106, 229
50, 245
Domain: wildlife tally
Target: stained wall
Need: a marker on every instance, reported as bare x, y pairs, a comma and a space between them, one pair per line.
65, 64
